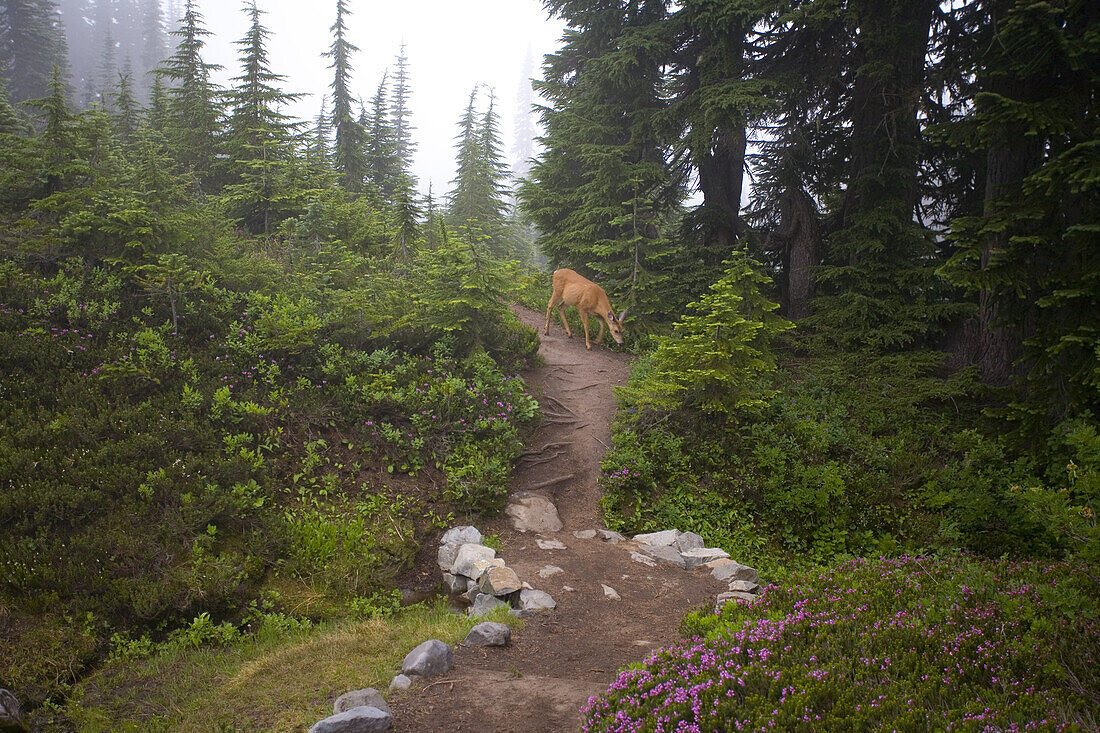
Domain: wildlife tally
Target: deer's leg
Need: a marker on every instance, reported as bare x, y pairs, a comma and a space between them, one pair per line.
584, 321
599, 338
564, 322
550, 309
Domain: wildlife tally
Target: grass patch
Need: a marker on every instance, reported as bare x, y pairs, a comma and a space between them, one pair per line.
282, 677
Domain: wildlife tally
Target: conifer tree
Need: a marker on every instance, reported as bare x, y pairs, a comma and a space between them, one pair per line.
404, 147
523, 139
260, 143
347, 156
383, 164
127, 116
10, 121
55, 141
154, 48
477, 197
407, 215
192, 114
31, 43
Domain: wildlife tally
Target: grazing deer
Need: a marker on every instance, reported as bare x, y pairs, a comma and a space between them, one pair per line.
571, 288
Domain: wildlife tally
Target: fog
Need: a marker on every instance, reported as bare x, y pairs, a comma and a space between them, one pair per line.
451, 46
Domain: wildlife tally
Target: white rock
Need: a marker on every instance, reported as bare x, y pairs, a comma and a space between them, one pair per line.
701, 555
585, 534
430, 658
727, 570
724, 598
550, 544
610, 535
536, 600
549, 570
400, 682
665, 553
534, 513
363, 719
455, 583
658, 539
643, 559
744, 586
688, 541
359, 698
483, 566
610, 593
456, 536
568, 588
469, 554
445, 557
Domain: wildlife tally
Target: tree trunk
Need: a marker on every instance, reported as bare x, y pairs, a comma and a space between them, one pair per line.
802, 250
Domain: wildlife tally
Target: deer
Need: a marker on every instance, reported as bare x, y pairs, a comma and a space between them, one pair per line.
571, 288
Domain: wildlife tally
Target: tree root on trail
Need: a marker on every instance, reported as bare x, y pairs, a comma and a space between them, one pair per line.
550, 482
587, 386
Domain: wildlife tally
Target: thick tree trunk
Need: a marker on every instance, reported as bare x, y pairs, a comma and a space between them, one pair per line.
802, 251
721, 173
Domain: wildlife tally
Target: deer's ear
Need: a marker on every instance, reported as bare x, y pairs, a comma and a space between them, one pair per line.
622, 316
611, 315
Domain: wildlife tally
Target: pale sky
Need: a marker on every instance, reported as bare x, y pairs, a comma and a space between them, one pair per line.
451, 46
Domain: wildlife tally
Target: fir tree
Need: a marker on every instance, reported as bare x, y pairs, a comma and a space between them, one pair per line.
523, 136
383, 164
154, 47
127, 115
404, 147
477, 197
31, 43
10, 121
347, 156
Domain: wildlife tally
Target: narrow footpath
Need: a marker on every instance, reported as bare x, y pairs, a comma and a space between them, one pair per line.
559, 659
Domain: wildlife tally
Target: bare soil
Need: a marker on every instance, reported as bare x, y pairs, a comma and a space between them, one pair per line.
558, 660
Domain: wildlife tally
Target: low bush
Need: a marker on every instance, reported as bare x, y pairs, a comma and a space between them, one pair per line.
911, 643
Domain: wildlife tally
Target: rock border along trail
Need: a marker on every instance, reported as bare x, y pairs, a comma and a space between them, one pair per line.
612, 609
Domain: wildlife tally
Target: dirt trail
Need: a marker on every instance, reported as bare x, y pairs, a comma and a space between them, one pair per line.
542, 680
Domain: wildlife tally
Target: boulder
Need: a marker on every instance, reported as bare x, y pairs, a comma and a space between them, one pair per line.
665, 553
445, 557
724, 598
727, 570
363, 719
488, 633
455, 583
585, 534
400, 682
466, 535
610, 593
429, 659
360, 698
688, 541
11, 713
658, 539
499, 581
483, 603
701, 555
534, 513
744, 586
483, 566
536, 600
469, 554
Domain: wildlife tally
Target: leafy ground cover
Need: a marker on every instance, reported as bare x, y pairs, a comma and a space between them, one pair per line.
907, 643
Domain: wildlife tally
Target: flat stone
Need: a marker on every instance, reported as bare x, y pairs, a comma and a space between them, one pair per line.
430, 658
610, 593
665, 553
445, 557
483, 604
688, 541
568, 588
610, 535
499, 581
400, 682
658, 539
469, 554
534, 513
536, 600
455, 583
585, 534
363, 719
550, 544
724, 598
643, 559
549, 570
701, 555
727, 570
360, 698
744, 586
488, 633
456, 536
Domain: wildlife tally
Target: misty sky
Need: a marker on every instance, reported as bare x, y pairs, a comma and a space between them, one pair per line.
451, 45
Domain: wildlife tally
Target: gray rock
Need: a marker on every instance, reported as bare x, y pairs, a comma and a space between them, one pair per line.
455, 583
456, 536
744, 586
610, 593
522, 613
363, 719
724, 598
489, 633
483, 566
658, 539
472, 592
430, 658
445, 557
585, 534
400, 682
688, 541
643, 559
534, 513
549, 570
499, 581
359, 698
469, 554
665, 553
550, 544
536, 600
701, 555
610, 535
483, 603
11, 713
727, 570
